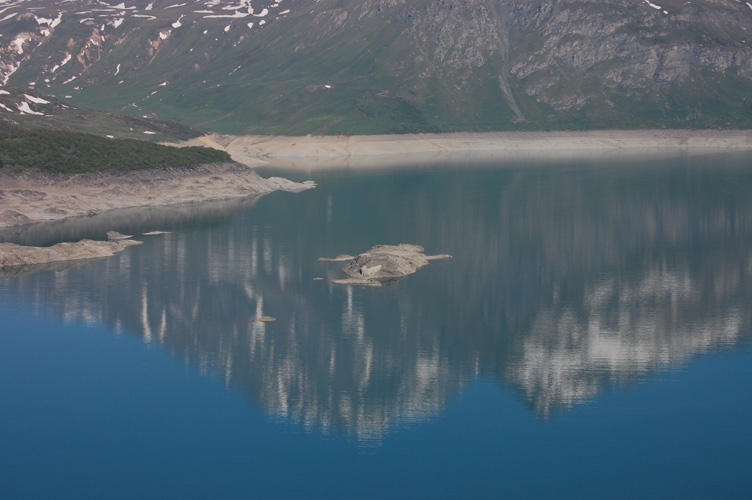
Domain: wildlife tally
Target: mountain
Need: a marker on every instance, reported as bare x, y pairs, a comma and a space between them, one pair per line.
375, 66
27, 109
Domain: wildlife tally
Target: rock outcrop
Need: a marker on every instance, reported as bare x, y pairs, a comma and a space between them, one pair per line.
383, 264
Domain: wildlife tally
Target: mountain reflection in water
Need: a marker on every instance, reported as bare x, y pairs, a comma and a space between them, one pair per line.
564, 282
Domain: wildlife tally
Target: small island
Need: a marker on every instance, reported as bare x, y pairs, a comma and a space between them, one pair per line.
383, 264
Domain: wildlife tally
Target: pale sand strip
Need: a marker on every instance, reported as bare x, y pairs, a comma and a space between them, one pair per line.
254, 150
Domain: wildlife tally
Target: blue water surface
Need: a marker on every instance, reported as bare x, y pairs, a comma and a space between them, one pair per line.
588, 339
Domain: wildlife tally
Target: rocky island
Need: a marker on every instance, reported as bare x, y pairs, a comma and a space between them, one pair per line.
383, 264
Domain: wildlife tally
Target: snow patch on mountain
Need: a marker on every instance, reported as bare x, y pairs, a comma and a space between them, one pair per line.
52, 23
36, 100
24, 108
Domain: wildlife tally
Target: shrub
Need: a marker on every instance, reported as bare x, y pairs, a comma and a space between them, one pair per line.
72, 152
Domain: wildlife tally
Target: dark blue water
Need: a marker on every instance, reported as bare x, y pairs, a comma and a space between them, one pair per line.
590, 338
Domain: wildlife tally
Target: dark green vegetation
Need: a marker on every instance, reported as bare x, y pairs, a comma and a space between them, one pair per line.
396, 66
72, 152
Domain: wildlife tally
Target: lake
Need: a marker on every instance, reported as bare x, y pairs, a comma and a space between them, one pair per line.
589, 338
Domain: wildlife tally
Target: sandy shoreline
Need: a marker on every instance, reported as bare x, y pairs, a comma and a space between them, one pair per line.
369, 150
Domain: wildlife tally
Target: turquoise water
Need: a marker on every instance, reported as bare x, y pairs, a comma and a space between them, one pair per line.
590, 338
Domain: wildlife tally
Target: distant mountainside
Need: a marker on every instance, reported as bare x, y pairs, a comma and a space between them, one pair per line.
28, 109
376, 66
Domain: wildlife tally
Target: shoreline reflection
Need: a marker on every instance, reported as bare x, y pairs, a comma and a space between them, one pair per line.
563, 283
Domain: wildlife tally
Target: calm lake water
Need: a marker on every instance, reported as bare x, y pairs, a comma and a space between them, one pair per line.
590, 338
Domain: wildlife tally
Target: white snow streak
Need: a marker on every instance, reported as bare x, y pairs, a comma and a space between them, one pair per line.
36, 100
25, 109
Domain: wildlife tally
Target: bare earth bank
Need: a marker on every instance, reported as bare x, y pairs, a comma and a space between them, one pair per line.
33, 197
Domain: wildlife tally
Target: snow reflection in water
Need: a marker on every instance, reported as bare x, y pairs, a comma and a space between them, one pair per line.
563, 283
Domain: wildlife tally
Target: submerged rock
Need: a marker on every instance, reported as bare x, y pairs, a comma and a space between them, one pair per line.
384, 263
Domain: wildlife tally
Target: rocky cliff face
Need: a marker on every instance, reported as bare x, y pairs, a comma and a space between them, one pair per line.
629, 51
302, 66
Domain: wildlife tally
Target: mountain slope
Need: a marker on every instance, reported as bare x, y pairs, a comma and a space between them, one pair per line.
28, 109
370, 66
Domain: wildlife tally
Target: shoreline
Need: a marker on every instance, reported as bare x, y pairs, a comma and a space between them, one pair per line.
30, 198
33, 197
371, 150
